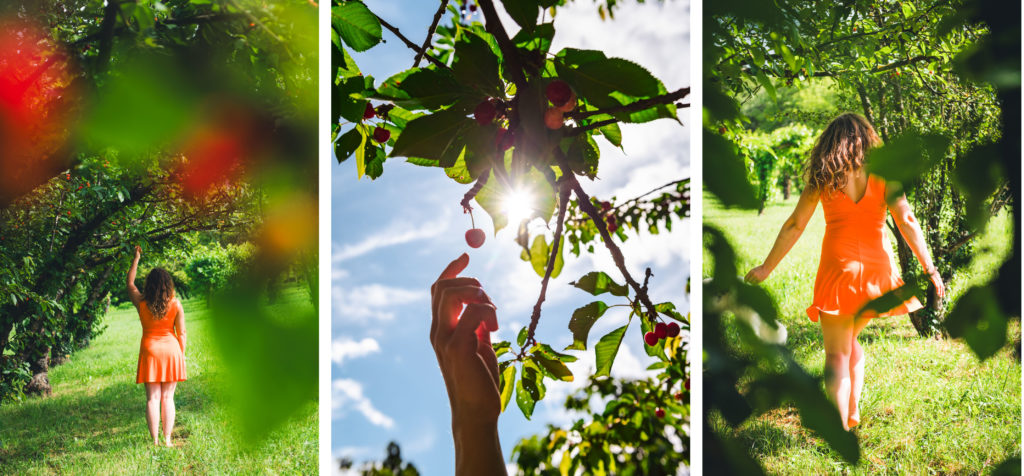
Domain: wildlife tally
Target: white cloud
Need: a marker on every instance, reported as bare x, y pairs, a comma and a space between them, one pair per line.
347, 348
397, 233
348, 395
356, 304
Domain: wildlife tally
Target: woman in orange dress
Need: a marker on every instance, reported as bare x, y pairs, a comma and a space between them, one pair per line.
162, 351
856, 262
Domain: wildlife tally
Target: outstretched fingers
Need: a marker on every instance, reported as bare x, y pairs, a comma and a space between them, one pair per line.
450, 305
451, 271
437, 290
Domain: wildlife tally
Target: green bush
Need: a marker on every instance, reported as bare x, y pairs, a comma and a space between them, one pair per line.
211, 267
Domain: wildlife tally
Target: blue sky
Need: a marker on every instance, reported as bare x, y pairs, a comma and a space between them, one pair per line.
393, 236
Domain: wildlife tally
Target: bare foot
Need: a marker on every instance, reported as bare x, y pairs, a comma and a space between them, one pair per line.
853, 420
168, 443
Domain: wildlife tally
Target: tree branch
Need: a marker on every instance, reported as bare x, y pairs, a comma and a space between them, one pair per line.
563, 201
430, 33
595, 215
635, 106
410, 44
575, 131
508, 49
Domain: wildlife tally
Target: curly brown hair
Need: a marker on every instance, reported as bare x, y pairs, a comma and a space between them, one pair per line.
158, 291
842, 147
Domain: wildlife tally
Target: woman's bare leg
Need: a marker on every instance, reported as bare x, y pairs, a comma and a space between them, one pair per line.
838, 334
167, 397
857, 359
153, 411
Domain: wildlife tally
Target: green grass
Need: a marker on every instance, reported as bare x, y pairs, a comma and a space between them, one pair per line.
929, 406
95, 421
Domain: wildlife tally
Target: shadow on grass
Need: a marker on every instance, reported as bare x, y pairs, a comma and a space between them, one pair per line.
109, 421
768, 435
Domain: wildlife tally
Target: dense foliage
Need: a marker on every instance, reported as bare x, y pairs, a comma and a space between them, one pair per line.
940, 81
513, 117
162, 123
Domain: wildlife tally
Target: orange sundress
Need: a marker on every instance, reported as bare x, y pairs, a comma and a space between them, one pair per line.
160, 355
856, 263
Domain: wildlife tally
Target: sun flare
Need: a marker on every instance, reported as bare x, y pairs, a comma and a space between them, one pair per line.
518, 206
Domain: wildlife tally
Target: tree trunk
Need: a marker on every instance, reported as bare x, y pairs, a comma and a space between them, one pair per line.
787, 183
40, 382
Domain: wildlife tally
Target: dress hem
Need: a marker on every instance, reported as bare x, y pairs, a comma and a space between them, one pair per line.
908, 306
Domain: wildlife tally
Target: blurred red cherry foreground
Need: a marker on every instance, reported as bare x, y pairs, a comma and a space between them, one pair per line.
36, 102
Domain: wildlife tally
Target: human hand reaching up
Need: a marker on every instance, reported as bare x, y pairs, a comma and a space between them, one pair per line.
463, 317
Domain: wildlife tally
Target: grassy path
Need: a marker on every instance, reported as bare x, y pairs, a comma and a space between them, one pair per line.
95, 421
928, 407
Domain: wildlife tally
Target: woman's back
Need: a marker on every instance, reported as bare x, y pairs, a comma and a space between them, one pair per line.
162, 326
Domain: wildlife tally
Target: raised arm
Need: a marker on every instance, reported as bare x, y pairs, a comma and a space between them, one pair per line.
907, 223
179, 325
469, 367
133, 292
788, 235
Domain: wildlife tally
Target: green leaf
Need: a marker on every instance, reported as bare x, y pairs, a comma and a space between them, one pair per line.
521, 337
476, 65
598, 282
606, 349
490, 198
508, 384
524, 12
907, 157
725, 174
426, 88
977, 319
549, 353
537, 39
582, 320
431, 136
613, 134
347, 144
540, 253
356, 24
527, 392
596, 80
361, 150
555, 368
583, 155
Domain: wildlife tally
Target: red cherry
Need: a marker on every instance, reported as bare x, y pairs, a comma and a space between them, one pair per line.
679, 396
659, 413
660, 330
484, 112
570, 104
605, 206
472, 8
651, 339
673, 329
381, 135
687, 385
558, 92
369, 112
553, 118
721, 130
612, 225
504, 139
475, 237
